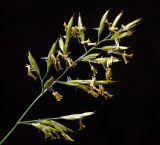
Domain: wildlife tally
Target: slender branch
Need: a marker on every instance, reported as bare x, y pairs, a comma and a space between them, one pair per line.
16, 124
24, 123
86, 51
28, 122
46, 74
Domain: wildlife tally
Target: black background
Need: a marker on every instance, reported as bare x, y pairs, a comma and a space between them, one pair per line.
130, 118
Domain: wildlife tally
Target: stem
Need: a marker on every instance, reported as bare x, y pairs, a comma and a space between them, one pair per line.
86, 51
8, 134
46, 74
42, 86
105, 39
19, 120
25, 123
28, 122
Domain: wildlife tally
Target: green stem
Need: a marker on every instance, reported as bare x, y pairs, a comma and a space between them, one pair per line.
46, 74
28, 122
8, 134
42, 86
19, 120
86, 51
105, 39
25, 123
